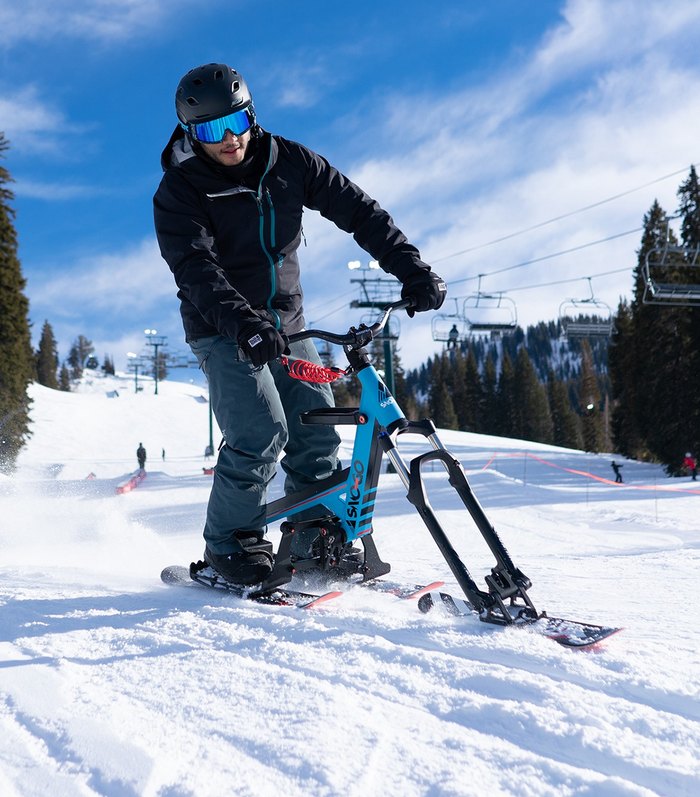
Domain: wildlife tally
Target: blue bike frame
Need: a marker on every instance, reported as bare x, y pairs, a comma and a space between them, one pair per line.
350, 495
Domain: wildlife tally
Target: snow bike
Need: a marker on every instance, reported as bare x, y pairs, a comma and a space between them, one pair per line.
342, 508
345, 501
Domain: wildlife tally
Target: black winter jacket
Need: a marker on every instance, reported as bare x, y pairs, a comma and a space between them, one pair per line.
230, 234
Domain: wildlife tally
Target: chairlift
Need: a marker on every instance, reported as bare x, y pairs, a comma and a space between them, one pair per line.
586, 318
672, 274
450, 328
489, 313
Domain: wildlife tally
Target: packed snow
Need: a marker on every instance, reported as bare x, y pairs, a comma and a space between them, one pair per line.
112, 683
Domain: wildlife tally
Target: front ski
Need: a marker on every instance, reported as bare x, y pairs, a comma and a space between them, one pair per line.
570, 633
200, 574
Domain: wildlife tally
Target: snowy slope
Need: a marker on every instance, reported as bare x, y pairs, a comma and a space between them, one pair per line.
113, 684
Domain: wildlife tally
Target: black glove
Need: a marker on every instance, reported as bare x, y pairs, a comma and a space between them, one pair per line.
426, 290
261, 342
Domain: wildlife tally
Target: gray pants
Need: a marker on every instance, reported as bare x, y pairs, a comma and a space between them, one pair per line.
257, 410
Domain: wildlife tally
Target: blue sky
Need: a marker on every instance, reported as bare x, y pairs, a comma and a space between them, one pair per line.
469, 121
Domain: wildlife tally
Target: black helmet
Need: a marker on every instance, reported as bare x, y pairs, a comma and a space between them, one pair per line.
210, 91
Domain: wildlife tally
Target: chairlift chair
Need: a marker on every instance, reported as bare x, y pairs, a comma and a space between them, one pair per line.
586, 318
450, 328
489, 314
443, 326
672, 273
672, 276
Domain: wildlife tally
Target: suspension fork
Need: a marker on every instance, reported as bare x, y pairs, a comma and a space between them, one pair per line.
507, 585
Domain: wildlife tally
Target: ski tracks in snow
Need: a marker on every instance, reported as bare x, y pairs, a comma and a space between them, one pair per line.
183, 692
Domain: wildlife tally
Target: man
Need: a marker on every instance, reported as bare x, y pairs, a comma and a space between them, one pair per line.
616, 469
141, 456
228, 216
691, 464
453, 337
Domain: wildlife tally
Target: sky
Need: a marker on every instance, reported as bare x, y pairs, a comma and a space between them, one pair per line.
115, 685
496, 134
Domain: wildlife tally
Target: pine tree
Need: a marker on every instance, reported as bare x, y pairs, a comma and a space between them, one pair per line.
534, 421
566, 431
401, 392
661, 339
64, 379
490, 384
47, 358
689, 208
442, 409
16, 355
456, 378
474, 392
508, 422
626, 436
81, 349
590, 403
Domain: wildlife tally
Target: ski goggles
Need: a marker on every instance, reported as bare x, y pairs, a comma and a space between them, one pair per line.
213, 132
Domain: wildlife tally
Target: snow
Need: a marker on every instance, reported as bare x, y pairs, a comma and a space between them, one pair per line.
112, 683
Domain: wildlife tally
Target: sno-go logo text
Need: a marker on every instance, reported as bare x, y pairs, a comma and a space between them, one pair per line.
358, 473
385, 398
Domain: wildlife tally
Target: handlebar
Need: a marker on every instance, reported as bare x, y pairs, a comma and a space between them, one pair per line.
354, 338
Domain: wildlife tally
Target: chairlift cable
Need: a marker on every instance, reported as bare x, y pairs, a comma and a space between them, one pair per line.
560, 217
565, 281
330, 312
549, 257
553, 282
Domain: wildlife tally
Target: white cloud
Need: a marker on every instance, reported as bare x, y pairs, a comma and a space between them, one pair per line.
94, 20
30, 123
32, 189
133, 282
110, 299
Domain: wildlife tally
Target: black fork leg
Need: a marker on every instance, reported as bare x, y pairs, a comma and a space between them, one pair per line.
506, 583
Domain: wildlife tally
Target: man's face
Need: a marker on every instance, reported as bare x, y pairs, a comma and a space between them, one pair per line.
229, 152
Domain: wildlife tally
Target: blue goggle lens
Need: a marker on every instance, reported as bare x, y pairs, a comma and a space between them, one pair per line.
214, 131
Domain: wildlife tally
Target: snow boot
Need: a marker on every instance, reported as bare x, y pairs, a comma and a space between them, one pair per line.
250, 565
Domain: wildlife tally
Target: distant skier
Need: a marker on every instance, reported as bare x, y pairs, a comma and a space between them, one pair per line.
141, 456
618, 475
453, 337
692, 465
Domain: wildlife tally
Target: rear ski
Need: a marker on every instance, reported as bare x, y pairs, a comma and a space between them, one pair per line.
199, 573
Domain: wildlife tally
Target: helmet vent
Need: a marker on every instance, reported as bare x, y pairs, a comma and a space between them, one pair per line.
197, 81
218, 75
191, 101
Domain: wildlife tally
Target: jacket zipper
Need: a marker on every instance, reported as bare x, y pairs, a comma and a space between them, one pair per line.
273, 269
